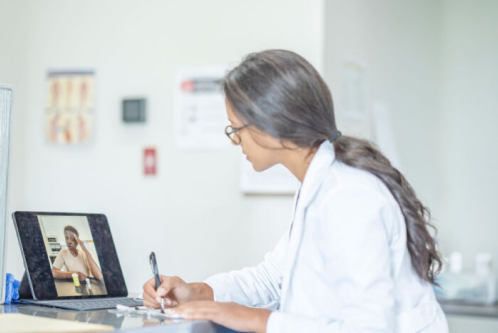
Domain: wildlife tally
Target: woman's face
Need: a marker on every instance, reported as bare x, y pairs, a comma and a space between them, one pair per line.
256, 145
70, 240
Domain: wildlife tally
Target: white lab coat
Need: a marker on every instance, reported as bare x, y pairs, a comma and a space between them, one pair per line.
343, 265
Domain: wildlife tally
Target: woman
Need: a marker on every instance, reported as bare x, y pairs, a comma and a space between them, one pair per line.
76, 260
357, 257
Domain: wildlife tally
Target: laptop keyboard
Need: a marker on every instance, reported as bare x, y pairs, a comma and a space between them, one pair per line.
84, 305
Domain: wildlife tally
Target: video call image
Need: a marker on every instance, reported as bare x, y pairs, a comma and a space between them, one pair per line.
72, 255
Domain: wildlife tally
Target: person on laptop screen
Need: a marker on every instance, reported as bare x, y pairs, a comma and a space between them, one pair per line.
76, 260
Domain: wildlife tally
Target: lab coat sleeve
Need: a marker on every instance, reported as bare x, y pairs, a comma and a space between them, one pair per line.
356, 254
253, 286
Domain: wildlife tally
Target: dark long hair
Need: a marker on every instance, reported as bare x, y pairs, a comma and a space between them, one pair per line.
281, 94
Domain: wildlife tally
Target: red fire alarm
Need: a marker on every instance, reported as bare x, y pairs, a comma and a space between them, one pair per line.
150, 161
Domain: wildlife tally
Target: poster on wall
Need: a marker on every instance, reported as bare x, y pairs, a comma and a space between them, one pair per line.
353, 116
200, 113
70, 106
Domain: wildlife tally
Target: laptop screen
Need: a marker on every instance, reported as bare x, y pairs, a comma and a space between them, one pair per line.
72, 255
5, 110
69, 255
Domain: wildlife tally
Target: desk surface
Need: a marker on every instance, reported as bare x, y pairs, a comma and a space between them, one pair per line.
139, 324
127, 324
465, 309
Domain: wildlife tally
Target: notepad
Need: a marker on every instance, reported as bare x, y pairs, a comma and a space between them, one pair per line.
20, 323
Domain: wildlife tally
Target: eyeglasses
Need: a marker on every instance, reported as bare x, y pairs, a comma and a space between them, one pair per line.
233, 133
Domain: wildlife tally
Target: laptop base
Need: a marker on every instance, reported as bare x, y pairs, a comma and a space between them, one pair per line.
86, 304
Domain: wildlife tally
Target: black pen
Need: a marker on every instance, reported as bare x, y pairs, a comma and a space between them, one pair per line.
155, 270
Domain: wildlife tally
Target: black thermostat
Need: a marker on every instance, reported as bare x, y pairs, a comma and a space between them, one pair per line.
134, 110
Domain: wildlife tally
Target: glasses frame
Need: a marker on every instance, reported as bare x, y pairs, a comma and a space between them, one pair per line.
234, 131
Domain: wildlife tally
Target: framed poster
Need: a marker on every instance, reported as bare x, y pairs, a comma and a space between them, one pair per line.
69, 106
200, 114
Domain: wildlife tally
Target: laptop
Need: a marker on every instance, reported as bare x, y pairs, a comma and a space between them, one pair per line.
70, 261
5, 111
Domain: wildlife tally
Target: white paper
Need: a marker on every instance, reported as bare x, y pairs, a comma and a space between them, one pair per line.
276, 180
384, 133
200, 113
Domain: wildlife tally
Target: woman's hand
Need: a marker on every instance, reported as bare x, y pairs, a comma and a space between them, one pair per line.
173, 289
231, 315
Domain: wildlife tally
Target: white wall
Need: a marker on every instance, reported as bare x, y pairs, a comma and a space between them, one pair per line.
469, 135
400, 43
12, 57
192, 214
435, 63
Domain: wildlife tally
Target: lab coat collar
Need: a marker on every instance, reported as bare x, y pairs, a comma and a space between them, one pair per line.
314, 177
317, 170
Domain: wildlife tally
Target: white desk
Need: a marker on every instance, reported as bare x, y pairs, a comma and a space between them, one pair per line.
121, 324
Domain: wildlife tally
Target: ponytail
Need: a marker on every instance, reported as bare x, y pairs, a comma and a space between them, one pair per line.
363, 155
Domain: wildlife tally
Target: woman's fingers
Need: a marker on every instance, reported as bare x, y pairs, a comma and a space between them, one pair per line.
156, 303
150, 302
168, 302
150, 288
196, 310
150, 305
167, 283
152, 298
